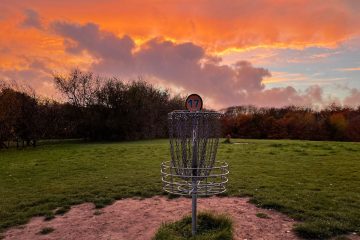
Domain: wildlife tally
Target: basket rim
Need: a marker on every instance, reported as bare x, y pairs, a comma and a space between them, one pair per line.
221, 165
187, 112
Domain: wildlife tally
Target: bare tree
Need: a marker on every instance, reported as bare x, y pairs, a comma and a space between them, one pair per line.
79, 87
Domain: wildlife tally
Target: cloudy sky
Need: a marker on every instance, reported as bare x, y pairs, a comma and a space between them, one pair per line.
259, 52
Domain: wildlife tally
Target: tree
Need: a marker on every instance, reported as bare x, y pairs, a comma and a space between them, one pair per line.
109, 109
18, 117
80, 88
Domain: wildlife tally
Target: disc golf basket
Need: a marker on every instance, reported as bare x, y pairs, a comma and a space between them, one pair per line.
193, 169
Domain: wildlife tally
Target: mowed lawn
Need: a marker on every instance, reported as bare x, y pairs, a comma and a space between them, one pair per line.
317, 183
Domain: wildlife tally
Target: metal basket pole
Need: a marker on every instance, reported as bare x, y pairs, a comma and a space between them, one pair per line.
194, 180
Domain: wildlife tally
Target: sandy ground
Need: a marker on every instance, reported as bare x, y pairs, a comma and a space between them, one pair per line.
130, 219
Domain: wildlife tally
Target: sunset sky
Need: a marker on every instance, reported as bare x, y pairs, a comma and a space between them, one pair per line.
259, 52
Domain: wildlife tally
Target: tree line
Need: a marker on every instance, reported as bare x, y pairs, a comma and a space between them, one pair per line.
332, 123
103, 109
97, 109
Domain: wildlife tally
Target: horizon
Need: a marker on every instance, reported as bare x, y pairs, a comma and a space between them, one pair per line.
264, 53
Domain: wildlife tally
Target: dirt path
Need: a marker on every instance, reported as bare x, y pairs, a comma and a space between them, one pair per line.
130, 219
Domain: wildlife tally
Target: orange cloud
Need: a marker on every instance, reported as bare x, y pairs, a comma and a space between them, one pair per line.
216, 25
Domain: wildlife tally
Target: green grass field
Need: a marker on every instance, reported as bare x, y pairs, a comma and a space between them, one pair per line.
317, 183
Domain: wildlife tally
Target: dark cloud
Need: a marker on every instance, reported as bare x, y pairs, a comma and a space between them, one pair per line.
101, 44
32, 20
184, 65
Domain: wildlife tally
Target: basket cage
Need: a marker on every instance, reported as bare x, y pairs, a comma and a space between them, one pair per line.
194, 139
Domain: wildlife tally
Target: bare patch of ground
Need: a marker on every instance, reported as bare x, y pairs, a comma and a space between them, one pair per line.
139, 219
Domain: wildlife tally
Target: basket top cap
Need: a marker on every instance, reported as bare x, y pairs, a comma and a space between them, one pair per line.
194, 103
